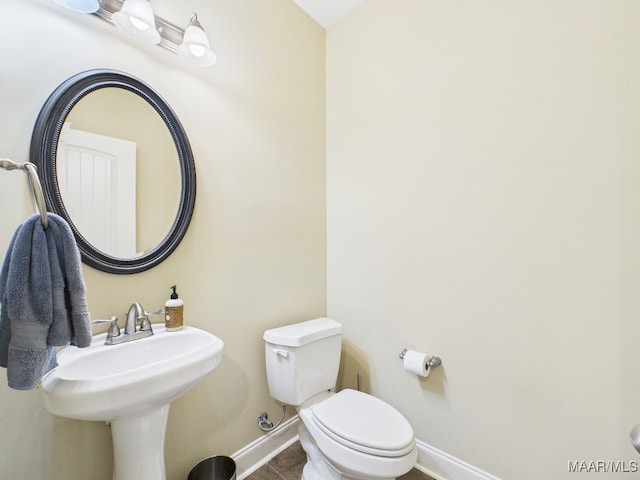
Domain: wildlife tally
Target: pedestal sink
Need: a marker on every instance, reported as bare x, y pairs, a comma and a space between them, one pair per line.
131, 385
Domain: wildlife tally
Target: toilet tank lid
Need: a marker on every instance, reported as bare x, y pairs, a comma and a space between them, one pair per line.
301, 333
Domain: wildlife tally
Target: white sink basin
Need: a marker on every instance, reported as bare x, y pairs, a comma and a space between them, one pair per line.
107, 382
131, 385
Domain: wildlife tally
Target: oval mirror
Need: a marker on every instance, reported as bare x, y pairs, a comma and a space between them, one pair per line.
116, 163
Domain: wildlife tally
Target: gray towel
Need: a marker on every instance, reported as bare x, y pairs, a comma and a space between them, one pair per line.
43, 299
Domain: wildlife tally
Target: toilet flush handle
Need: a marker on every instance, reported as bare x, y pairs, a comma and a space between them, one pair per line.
281, 352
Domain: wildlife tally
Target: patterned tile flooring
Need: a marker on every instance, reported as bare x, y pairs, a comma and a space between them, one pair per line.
288, 465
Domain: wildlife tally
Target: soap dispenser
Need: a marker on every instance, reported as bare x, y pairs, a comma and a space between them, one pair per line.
173, 308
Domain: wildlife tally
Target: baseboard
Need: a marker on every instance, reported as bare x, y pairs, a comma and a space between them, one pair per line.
259, 452
442, 466
433, 462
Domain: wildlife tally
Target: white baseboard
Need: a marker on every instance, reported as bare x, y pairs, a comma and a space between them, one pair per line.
433, 462
259, 452
442, 466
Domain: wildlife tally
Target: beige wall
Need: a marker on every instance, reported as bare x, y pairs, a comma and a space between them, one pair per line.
483, 204
254, 256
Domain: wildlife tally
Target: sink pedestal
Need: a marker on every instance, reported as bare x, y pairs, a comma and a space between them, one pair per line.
138, 445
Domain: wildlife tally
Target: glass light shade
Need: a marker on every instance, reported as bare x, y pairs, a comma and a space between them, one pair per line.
136, 18
82, 6
195, 48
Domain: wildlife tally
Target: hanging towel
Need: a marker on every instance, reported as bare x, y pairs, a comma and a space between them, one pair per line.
43, 298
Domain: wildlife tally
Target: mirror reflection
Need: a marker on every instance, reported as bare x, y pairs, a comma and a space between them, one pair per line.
116, 163
118, 172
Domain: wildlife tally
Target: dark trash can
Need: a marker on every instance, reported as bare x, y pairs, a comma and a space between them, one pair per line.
214, 468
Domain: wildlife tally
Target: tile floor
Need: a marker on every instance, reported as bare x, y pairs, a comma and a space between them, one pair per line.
288, 466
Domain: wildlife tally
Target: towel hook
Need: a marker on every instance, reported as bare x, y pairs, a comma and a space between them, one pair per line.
34, 182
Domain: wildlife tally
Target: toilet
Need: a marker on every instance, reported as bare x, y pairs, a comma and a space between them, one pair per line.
346, 435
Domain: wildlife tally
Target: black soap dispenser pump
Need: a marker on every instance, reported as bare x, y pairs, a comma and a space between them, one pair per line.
173, 309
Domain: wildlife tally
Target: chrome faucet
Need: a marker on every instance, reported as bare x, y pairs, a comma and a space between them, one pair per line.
135, 314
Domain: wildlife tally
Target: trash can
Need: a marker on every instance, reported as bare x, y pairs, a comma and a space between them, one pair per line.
214, 468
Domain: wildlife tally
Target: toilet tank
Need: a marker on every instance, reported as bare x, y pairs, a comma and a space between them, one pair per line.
302, 359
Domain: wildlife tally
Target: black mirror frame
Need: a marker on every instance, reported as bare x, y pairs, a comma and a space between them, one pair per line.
44, 142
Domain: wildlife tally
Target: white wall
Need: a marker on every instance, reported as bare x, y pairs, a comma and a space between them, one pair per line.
254, 255
483, 204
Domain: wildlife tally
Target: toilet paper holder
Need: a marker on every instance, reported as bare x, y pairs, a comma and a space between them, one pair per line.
432, 362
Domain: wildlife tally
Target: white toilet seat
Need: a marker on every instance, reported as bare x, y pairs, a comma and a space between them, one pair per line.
364, 423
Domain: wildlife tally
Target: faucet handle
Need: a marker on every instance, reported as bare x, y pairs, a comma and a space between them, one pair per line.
100, 321
145, 324
114, 329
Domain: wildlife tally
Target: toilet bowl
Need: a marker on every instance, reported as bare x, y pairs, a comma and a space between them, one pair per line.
359, 435
349, 434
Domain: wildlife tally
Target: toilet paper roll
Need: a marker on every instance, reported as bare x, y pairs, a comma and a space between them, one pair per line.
417, 363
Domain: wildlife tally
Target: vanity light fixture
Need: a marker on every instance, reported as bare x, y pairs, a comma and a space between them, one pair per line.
195, 47
136, 18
